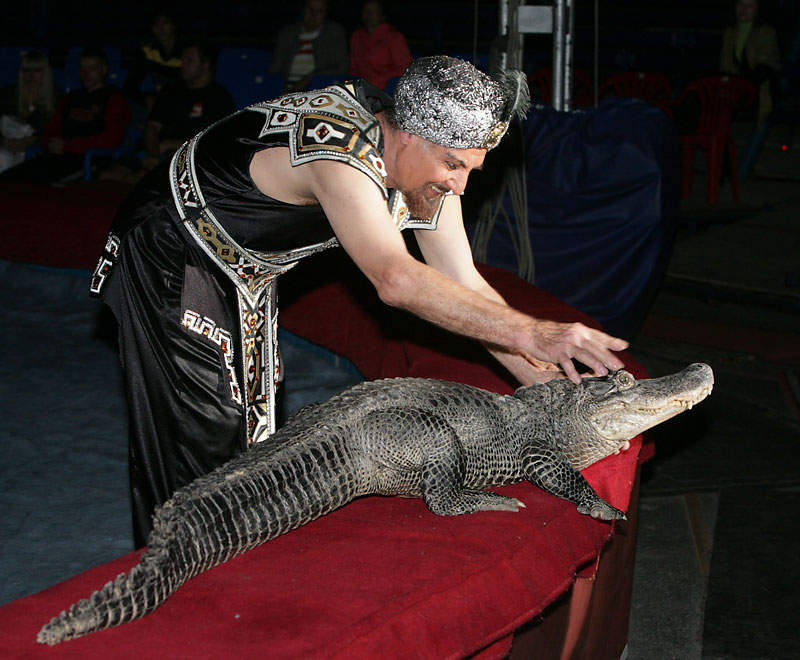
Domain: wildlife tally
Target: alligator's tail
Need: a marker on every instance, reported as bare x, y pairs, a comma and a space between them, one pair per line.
127, 598
266, 493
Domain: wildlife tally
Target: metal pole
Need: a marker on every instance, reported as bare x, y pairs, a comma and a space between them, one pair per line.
569, 43
514, 42
503, 26
558, 54
596, 49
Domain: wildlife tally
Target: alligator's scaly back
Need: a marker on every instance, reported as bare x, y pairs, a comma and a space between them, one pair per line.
444, 442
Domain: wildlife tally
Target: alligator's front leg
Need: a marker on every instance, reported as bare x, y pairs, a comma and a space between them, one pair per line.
546, 468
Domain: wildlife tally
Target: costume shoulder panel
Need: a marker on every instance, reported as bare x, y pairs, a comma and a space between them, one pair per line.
327, 124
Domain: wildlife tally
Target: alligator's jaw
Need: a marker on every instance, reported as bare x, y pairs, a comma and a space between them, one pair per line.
650, 402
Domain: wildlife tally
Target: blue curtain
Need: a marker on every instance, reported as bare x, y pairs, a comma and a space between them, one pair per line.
603, 189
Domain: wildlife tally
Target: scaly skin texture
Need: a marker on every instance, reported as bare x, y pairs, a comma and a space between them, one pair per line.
441, 441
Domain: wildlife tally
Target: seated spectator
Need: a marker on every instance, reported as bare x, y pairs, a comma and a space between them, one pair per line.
179, 113
94, 116
313, 46
159, 56
25, 108
378, 51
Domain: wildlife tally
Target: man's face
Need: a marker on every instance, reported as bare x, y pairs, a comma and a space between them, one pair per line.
372, 15
314, 14
92, 73
424, 172
163, 30
746, 10
192, 65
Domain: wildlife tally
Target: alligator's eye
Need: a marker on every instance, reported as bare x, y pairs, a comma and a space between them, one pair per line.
624, 380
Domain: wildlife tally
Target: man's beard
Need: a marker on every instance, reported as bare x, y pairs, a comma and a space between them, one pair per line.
419, 205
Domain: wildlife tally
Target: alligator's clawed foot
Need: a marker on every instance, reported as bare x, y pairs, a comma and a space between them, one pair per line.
472, 501
488, 501
602, 511
624, 447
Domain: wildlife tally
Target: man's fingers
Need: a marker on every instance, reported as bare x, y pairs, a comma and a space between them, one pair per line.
570, 371
565, 342
619, 344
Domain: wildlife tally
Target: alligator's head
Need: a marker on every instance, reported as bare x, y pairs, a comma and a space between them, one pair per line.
601, 415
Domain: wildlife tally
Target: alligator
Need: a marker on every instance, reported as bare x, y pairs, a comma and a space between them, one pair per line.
442, 441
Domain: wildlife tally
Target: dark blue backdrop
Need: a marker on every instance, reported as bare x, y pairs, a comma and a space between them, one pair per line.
603, 191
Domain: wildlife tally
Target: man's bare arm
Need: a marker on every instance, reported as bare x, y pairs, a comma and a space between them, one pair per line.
357, 212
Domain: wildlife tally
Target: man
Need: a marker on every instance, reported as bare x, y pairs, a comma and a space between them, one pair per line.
94, 116
178, 114
192, 260
313, 46
159, 57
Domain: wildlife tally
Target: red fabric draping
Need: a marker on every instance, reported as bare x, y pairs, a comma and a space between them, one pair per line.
61, 226
381, 577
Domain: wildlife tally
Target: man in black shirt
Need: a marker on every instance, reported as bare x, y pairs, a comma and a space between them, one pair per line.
179, 114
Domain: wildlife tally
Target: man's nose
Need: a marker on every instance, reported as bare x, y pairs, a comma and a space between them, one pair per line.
458, 181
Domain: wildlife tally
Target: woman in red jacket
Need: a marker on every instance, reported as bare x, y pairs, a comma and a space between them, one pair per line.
378, 51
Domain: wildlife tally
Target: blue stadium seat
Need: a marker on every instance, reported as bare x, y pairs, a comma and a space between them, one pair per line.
232, 62
391, 84
249, 88
10, 57
131, 142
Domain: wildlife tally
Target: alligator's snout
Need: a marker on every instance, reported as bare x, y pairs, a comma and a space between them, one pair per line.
631, 409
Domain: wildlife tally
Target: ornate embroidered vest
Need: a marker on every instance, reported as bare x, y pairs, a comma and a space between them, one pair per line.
327, 124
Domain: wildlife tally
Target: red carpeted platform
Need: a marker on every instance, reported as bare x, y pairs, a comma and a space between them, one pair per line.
382, 577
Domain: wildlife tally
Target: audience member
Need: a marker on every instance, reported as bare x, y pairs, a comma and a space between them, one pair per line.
750, 50
26, 107
313, 46
159, 56
94, 116
179, 113
378, 51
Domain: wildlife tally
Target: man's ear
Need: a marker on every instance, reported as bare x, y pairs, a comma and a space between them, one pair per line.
404, 137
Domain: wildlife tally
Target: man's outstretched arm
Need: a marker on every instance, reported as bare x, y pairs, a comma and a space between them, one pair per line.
450, 297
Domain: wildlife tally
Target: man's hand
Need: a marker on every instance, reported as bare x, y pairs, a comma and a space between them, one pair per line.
55, 145
561, 343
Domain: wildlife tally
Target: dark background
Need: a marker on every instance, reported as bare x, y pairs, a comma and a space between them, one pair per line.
679, 38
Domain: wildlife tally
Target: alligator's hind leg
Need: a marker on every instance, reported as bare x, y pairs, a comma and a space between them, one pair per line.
547, 469
417, 453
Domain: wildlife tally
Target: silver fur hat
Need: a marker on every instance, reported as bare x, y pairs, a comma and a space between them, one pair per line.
448, 101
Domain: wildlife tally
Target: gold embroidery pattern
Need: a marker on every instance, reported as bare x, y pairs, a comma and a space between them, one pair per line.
329, 124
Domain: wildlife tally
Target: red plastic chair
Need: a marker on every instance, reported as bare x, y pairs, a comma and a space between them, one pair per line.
652, 87
541, 86
718, 95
